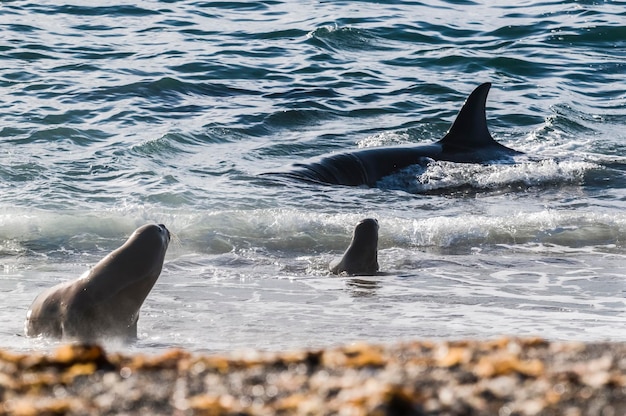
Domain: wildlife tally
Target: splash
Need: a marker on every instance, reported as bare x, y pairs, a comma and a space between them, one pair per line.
439, 176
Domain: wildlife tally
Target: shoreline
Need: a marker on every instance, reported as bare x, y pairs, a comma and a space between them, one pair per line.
506, 376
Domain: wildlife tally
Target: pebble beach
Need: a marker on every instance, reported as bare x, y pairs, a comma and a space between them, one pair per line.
505, 376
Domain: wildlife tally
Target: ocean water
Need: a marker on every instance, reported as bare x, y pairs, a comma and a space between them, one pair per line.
114, 116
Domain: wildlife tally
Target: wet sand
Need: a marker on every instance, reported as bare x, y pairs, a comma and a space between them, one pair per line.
497, 377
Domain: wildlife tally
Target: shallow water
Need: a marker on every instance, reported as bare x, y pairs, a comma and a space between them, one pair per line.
116, 116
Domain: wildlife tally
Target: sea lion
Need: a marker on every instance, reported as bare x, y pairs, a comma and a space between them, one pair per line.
105, 301
361, 257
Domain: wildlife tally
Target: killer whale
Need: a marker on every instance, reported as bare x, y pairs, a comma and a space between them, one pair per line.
467, 141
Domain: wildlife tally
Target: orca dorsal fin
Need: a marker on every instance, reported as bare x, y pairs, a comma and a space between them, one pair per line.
470, 129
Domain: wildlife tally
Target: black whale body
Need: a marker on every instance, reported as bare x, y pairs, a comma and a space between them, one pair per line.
467, 141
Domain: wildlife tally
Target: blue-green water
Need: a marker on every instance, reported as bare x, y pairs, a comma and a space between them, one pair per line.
118, 115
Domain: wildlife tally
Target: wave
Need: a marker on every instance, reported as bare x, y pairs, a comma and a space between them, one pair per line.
337, 38
298, 232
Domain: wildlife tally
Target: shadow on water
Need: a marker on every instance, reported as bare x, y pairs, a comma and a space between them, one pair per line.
359, 287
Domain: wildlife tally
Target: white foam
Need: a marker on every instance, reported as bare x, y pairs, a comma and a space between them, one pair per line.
387, 138
447, 175
301, 231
